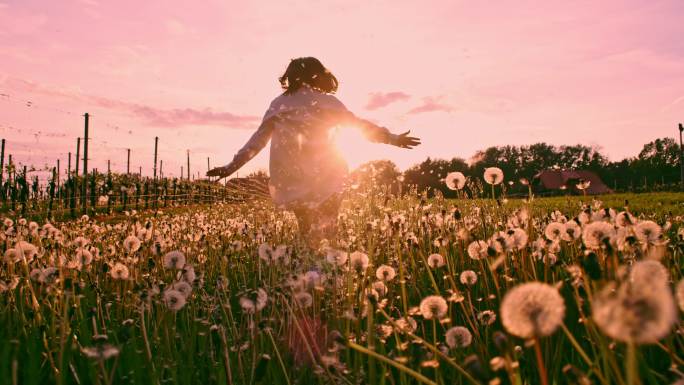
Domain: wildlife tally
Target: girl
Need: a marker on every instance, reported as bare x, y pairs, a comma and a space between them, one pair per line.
306, 171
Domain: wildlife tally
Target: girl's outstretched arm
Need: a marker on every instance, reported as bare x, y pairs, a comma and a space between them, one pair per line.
253, 146
378, 134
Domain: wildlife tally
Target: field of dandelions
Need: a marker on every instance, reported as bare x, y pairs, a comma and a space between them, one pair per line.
489, 290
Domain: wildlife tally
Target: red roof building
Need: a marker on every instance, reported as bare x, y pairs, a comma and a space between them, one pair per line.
569, 179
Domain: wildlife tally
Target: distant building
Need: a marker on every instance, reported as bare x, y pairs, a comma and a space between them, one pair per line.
568, 180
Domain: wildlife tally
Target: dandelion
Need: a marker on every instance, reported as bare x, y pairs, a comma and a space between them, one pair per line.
254, 302
433, 307
493, 175
648, 233
271, 255
532, 310
174, 299
119, 271
80, 242
188, 274
597, 235
359, 261
25, 250
336, 257
100, 352
435, 261
304, 299
571, 231
624, 218
84, 257
486, 317
458, 337
406, 324
554, 231
517, 239
478, 249
455, 180
131, 244
174, 260
468, 277
183, 287
635, 312
385, 273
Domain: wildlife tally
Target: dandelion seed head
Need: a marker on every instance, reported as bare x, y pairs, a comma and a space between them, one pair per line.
468, 277
458, 337
385, 273
436, 260
433, 307
455, 180
174, 299
174, 260
532, 309
493, 175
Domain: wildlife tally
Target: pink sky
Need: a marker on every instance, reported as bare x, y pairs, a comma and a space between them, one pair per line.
462, 75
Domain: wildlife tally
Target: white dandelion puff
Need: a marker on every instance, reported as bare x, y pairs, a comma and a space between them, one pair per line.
174, 299
435, 260
533, 309
433, 307
174, 260
493, 175
458, 337
455, 180
385, 273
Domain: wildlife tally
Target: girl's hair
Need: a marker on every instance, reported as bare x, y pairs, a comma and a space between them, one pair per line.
309, 71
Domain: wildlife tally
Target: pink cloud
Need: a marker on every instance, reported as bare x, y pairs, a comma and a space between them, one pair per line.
382, 99
431, 104
159, 117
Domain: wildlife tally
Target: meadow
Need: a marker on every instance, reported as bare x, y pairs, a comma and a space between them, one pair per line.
571, 289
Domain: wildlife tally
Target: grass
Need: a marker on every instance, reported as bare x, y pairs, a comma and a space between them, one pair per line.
216, 338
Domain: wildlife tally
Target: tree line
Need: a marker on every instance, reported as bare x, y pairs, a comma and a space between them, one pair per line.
656, 167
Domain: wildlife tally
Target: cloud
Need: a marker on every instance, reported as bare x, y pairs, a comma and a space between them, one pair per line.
159, 117
431, 104
382, 99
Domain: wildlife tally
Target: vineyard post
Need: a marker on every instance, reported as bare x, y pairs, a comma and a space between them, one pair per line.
84, 187
52, 191
154, 180
58, 175
181, 177
10, 182
128, 162
78, 155
681, 156
156, 143
109, 169
188, 165
161, 169
2, 168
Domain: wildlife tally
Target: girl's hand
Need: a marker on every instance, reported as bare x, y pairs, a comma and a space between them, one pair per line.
405, 141
220, 171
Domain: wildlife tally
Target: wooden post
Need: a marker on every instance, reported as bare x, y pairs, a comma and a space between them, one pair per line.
84, 187
156, 142
140, 171
78, 155
128, 162
69, 166
109, 169
57, 175
188, 164
161, 169
181, 178
681, 156
2, 165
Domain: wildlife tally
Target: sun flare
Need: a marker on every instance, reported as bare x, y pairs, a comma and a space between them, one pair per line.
353, 146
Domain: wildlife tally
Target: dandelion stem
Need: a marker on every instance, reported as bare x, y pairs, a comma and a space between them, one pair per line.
543, 377
419, 377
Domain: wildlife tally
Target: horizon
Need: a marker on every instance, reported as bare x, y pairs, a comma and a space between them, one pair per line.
200, 78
